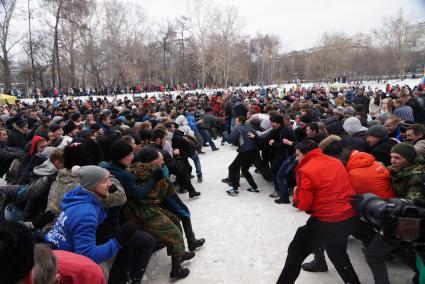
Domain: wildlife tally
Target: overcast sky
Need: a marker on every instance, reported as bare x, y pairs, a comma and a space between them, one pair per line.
299, 23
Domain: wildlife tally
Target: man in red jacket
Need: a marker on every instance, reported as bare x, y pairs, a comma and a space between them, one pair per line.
324, 192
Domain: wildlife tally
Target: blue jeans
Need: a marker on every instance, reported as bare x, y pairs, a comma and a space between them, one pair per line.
197, 163
282, 175
207, 137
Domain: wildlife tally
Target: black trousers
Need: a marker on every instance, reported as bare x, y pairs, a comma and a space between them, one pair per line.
133, 258
314, 235
242, 162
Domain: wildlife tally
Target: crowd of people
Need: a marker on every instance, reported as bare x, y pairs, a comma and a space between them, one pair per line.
93, 186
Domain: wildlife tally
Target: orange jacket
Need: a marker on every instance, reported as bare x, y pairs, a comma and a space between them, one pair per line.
323, 189
367, 175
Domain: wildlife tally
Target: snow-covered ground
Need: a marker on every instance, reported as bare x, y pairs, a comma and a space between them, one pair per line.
247, 236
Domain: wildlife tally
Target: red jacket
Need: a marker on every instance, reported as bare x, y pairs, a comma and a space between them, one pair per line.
367, 175
323, 189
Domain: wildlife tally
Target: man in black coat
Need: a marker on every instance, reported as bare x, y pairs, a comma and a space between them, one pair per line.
381, 145
362, 99
7, 154
409, 100
18, 136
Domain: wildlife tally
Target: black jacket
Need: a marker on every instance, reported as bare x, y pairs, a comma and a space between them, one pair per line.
382, 150
356, 142
17, 139
7, 155
418, 111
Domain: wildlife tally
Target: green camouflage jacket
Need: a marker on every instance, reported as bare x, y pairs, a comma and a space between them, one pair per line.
410, 182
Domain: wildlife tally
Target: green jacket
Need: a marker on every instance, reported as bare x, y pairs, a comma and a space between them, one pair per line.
410, 182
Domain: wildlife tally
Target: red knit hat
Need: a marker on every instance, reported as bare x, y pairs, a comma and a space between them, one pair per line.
34, 143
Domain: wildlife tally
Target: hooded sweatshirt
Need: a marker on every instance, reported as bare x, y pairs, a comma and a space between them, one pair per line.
367, 175
75, 229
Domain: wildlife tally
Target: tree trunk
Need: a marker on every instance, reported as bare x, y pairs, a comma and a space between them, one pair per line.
6, 69
34, 80
55, 55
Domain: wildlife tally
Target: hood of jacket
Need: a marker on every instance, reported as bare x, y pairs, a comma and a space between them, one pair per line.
65, 176
45, 169
181, 120
79, 196
359, 160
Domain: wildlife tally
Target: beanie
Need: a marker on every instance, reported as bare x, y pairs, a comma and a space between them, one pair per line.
54, 127
21, 123
406, 150
119, 150
306, 119
353, 125
147, 154
277, 118
378, 131
89, 176
70, 126
333, 126
77, 154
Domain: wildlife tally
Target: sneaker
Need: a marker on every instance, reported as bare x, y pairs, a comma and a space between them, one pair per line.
232, 192
251, 189
282, 200
225, 180
274, 195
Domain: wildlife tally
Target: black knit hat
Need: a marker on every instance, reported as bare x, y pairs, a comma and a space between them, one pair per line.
147, 154
16, 251
119, 150
70, 126
54, 127
21, 123
277, 118
77, 154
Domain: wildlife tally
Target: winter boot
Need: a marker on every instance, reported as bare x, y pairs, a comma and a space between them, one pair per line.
187, 255
177, 271
194, 193
318, 264
192, 242
282, 200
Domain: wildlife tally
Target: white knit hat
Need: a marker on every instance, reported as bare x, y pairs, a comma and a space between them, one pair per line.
353, 125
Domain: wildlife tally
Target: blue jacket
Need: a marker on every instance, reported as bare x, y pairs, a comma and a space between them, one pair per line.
75, 229
128, 180
191, 121
239, 137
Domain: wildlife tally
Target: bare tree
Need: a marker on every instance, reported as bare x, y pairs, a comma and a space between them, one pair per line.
7, 9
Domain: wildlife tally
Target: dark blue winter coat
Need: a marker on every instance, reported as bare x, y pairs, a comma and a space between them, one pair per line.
239, 137
75, 229
128, 180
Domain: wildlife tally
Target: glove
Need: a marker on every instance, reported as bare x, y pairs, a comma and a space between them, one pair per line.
157, 174
125, 232
112, 188
42, 220
356, 201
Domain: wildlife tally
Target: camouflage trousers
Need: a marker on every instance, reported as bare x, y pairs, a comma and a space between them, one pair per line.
165, 227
